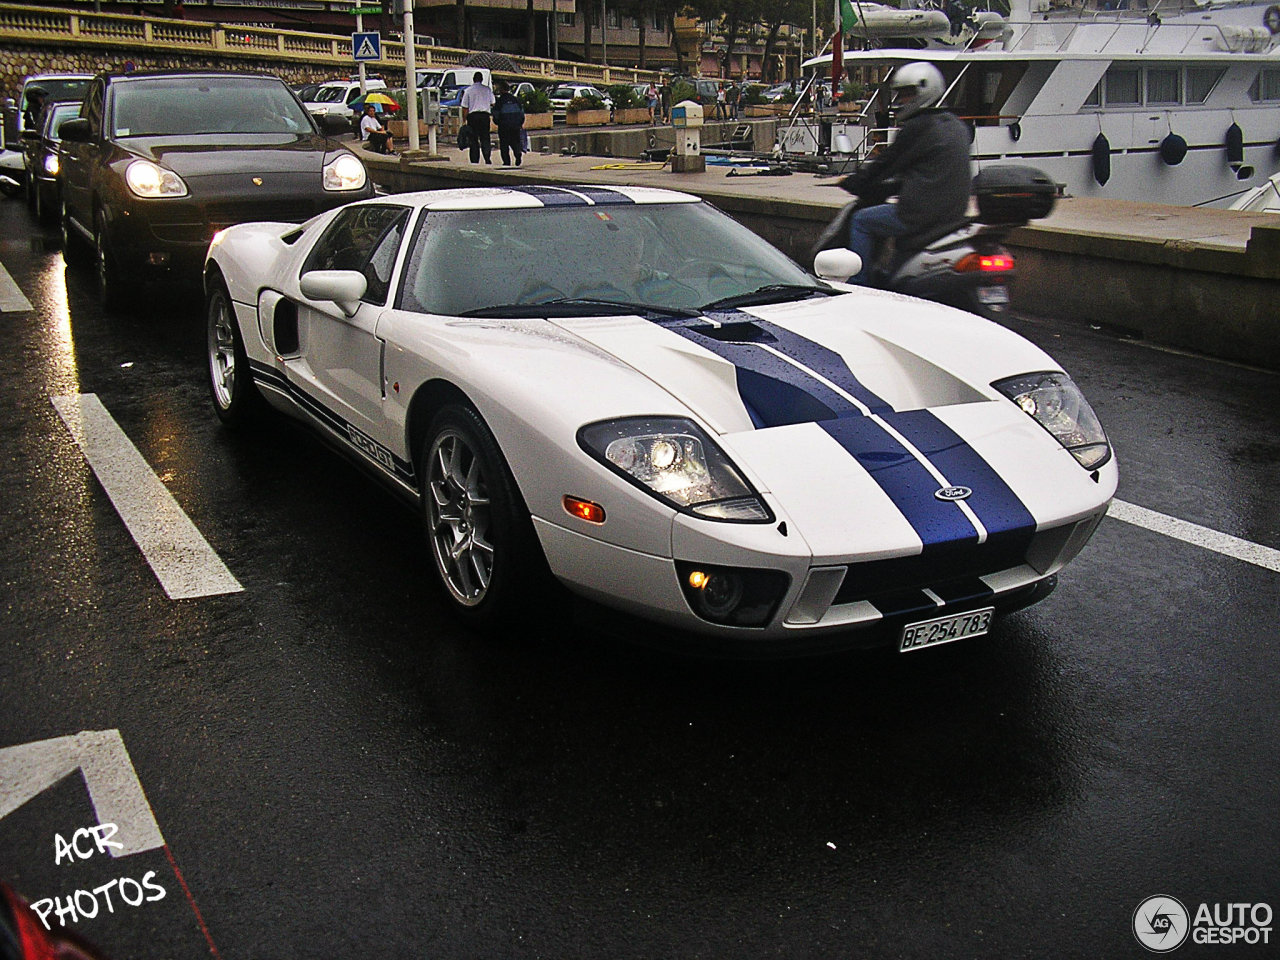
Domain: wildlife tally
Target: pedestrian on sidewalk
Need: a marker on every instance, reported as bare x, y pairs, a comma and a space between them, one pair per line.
477, 104
509, 116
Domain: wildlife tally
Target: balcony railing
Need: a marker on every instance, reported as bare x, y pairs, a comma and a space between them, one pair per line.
33, 26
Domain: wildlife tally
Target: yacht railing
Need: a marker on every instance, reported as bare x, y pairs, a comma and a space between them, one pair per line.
1059, 34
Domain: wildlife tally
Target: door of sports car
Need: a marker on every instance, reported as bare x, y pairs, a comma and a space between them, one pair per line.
341, 358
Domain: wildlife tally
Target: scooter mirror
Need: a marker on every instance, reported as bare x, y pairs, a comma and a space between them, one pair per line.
837, 264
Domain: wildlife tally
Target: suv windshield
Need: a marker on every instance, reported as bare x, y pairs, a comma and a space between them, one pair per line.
191, 106
57, 88
677, 256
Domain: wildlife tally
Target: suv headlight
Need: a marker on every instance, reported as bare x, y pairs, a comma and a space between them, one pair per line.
1057, 404
344, 172
152, 181
677, 462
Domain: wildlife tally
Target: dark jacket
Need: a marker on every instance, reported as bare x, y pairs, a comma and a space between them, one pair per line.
507, 112
929, 161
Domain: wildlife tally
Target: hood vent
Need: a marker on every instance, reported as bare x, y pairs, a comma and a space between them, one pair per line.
740, 331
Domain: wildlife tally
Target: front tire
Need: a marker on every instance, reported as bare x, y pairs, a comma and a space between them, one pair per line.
73, 251
482, 540
235, 396
110, 276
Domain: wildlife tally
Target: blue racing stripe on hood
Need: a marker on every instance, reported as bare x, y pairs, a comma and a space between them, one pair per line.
994, 503
903, 479
817, 388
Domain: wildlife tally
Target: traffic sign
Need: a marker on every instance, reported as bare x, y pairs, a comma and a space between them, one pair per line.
364, 11
366, 46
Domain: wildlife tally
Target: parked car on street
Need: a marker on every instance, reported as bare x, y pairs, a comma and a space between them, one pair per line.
561, 95
40, 157
37, 89
719, 442
158, 163
334, 98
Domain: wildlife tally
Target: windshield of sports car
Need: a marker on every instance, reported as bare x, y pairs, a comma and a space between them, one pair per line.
195, 106
667, 256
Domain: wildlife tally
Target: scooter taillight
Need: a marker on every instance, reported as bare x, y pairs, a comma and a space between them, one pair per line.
984, 263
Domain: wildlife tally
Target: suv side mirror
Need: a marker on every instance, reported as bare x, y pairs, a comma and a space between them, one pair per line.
332, 124
77, 130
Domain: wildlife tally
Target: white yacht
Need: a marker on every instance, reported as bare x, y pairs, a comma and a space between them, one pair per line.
1171, 102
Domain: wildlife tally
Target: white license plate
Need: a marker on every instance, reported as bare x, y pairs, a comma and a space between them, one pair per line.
930, 633
990, 295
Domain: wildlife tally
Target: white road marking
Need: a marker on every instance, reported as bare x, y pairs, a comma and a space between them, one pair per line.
180, 557
29, 769
12, 299
1193, 533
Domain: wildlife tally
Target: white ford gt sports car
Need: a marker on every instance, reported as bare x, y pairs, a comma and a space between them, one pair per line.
628, 389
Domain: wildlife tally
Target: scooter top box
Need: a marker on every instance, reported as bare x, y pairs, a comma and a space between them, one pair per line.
1013, 194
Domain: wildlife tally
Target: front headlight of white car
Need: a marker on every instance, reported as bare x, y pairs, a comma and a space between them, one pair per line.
1057, 404
344, 172
677, 462
153, 182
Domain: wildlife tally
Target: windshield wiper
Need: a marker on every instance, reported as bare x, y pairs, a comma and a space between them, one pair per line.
579, 306
769, 293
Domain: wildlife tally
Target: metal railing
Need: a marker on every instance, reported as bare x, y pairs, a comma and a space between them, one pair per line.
32, 26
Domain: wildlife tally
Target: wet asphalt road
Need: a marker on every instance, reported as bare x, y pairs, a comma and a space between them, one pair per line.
339, 769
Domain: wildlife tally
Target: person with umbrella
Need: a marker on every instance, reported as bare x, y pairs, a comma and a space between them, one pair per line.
372, 130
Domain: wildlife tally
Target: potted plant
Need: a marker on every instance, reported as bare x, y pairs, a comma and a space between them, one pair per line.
537, 110
627, 105
753, 102
588, 111
851, 96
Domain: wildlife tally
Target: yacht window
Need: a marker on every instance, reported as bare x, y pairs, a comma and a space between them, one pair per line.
1266, 87
1122, 86
1163, 84
1201, 81
1095, 97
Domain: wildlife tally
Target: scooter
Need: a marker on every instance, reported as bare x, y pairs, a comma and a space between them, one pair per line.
962, 264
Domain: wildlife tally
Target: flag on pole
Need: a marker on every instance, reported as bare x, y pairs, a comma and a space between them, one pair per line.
837, 49
848, 16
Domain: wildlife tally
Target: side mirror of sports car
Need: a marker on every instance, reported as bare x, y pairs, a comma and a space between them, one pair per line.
837, 264
343, 287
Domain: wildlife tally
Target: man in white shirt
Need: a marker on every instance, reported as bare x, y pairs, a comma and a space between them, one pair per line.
477, 104
371, 129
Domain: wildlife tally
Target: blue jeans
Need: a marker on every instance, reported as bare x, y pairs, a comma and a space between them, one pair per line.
869, 226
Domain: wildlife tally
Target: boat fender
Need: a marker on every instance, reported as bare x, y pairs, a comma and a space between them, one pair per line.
1015, 131
1271, 19
1101, 160
1235, 145
1173, 149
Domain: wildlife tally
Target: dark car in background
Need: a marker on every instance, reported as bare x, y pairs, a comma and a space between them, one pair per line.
40, 156
157, 163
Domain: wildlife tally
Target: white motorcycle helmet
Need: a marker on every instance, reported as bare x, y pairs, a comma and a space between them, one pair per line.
916, 87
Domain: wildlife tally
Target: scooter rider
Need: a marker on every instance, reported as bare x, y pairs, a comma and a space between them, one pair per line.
926, 165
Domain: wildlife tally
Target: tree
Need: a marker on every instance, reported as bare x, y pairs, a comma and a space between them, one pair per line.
793, 12
735, 16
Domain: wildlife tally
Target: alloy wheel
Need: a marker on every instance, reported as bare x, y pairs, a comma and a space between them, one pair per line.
458, 516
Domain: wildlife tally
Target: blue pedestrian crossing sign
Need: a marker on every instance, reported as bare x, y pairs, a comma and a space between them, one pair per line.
366, 46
